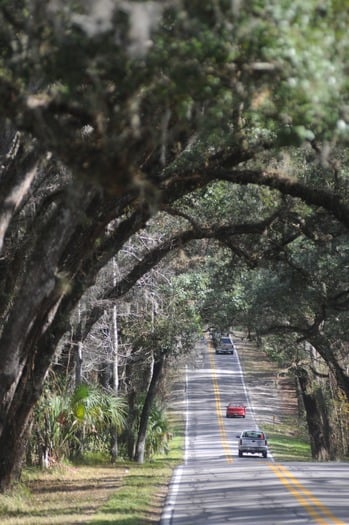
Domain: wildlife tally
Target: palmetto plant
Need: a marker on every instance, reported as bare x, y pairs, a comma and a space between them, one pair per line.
67, 424
158, 429
158, 433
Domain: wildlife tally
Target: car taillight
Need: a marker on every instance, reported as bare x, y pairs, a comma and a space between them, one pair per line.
240, 441
265, 440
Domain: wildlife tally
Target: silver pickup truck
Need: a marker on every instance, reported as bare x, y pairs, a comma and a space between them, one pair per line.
253, 442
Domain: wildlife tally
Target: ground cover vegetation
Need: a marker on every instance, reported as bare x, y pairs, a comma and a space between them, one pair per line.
105, 493
282, 415
164, 166
97, 493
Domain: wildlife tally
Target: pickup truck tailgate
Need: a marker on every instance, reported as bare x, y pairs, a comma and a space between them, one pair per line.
253, 441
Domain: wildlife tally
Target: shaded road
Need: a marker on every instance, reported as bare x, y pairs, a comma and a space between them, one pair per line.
214, 486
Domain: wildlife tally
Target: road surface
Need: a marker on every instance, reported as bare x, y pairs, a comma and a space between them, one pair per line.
215, 487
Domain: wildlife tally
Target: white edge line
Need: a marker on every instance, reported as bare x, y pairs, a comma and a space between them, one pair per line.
244, 387
166, 516
248, 398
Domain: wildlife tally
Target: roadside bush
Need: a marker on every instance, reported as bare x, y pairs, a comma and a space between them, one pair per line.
68, 425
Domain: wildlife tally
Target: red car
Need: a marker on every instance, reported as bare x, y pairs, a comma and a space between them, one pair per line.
236, 410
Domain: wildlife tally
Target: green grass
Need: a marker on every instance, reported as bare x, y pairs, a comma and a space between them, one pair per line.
286, 447
94, 491
124, 493
143, 490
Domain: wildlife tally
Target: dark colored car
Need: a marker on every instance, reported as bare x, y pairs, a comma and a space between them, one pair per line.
235, 410
225, 346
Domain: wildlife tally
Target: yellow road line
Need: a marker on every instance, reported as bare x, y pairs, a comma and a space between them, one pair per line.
223, 434
317, 510
312, 498
309, 502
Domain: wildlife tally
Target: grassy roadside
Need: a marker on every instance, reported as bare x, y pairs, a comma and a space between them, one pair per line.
286, 447
276, 399
131, 494
125, 493
141, 497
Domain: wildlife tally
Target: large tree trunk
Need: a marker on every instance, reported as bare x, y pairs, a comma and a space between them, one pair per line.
148, 403
18, 170
316, 417
36, 298
39, 315
16, 426
13, 447
60, 259
324, 348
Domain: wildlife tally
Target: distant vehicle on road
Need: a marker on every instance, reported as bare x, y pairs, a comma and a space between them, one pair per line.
224, 346
235, 410
252, 442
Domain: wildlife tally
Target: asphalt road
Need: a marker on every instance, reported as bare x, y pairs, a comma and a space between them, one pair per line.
215, 487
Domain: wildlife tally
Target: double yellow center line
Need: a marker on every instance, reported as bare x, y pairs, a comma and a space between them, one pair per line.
319, 512
222, 431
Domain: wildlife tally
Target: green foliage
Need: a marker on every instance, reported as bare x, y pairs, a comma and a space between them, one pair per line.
215, 65
158, 433
97, 408
82, 420
288, 447
175, 327
159, 430
221, 88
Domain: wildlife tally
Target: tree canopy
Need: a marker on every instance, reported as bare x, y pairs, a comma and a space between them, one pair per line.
224, 121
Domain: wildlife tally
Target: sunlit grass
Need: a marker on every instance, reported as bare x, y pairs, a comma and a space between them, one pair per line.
144, 487
130, 494
94, 491
287, 447
100, 493
288, 439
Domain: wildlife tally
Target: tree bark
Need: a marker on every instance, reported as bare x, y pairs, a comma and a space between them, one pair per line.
129, 434
17, 174
317, 420
34, 306
148, 403
115, 380
324, 347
